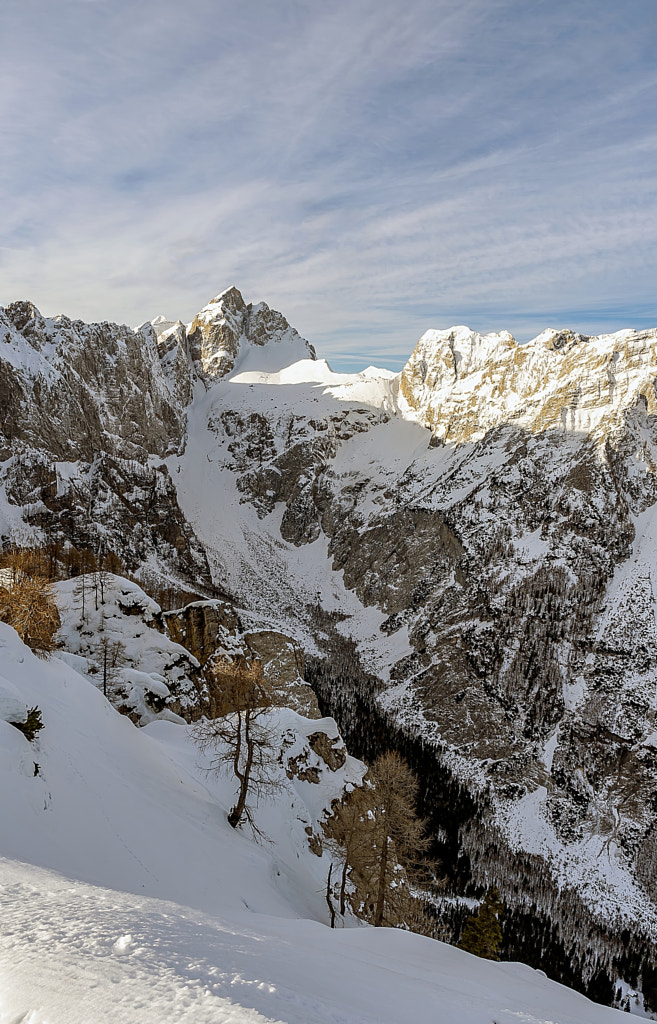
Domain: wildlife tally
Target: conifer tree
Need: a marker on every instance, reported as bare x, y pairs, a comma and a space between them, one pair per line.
377, 835
398, 834
110, 655
32, 725
482, 934
348, 837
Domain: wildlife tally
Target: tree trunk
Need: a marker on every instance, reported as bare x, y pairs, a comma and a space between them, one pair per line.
328, 895
237, 811
381, 894
343, 883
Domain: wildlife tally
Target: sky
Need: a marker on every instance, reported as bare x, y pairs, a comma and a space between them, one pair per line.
371, 168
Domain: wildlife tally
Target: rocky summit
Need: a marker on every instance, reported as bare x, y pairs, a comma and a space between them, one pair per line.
461, 559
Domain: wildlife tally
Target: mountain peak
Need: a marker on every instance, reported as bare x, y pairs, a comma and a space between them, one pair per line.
227, 328
230, 297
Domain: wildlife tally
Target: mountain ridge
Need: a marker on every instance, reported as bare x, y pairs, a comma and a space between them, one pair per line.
557, 380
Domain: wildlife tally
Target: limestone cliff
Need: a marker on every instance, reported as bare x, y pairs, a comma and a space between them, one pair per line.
90, 412
227, 324
211, 629
463, 385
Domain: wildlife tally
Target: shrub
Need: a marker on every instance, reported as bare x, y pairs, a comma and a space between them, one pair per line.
29, 606
32, 725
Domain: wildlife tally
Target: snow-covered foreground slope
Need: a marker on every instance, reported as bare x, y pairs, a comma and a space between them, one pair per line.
79, 954
134, 809
126, 897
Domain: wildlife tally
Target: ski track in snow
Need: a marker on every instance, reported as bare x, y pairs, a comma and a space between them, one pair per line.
132, 962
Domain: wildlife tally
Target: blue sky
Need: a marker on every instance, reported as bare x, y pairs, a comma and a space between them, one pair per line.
371, 169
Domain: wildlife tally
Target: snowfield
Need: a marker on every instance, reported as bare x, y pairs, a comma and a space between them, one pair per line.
126, 896
76, 954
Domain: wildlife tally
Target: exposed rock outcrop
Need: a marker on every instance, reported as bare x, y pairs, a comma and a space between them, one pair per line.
109, 633
88, 413
212, 629
111, 504
75, 390
463, 385
227, 324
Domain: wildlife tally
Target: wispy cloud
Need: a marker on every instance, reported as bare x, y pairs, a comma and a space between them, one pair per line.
372, 169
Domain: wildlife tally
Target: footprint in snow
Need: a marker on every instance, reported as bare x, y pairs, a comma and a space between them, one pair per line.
123, 945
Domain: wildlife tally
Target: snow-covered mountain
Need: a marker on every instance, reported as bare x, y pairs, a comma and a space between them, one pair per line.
464, 551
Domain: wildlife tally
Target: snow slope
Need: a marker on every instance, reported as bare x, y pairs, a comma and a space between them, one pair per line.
127, 897
274, 578
85, 954
133, 808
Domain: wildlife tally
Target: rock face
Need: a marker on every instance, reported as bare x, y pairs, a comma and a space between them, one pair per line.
321, 751
227, 324
473, 542
111, 504
211, 629
283, 665
547, 482
77, 389
88, 413
463, 385
204, 628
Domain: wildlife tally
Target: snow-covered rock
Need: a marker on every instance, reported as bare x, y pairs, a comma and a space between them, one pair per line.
226, 329
463, 384
13, 708
75, 389
109, 625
